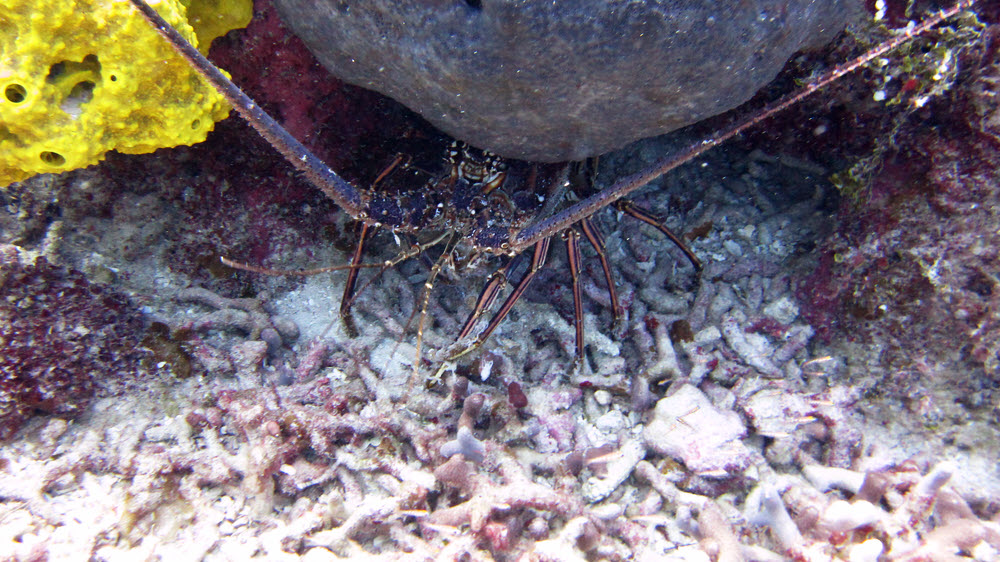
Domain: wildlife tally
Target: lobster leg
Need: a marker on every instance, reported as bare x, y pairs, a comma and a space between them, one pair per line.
593, 236
486, 298
425, 299
572, 238
538, 257
352, 280
636, 212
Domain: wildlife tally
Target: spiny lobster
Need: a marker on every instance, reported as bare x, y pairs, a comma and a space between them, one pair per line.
479, 205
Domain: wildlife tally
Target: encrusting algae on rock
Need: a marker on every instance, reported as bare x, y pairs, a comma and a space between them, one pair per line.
83, 77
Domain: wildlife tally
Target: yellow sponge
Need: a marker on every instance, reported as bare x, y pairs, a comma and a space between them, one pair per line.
215, 18
81, 77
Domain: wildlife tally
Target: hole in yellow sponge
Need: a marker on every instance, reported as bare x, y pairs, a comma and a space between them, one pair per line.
15, 93
52, 158
195, 124
76, 82
60, 72
81, 93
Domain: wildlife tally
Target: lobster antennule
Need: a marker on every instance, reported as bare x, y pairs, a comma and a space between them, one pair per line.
575, 213
342, 192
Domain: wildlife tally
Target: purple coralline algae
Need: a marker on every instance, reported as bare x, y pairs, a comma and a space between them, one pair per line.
62, 338
914, 264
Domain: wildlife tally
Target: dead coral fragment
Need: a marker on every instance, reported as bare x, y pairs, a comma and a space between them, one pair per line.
925, 521
687, 427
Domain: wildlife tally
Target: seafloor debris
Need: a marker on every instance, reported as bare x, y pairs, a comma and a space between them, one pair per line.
304, 469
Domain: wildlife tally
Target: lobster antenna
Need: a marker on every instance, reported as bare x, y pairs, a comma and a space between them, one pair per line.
624, 186
343, 193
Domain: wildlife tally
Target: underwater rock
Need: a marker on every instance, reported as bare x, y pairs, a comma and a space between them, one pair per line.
554, 81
